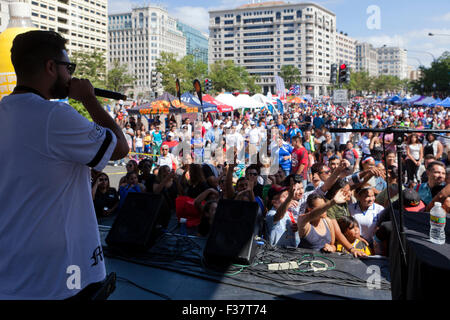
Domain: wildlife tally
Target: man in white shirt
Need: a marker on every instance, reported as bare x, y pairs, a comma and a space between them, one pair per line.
50, 243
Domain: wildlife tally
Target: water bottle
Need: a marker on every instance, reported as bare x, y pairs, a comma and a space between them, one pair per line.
438, 218
183, 229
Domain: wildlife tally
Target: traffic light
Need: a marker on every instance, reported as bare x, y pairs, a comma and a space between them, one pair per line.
154, 79
158, 79
333, 74
342, 73
347, 76
208, 84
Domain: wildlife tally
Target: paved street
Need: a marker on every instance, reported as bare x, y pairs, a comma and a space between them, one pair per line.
114, 173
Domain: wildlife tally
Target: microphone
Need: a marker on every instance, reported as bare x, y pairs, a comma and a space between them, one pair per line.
109, 94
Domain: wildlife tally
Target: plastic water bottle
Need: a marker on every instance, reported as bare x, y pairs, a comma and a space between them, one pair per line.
438, 218
183, 229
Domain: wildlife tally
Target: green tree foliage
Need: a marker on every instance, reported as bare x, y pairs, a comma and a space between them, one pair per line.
91, 66
439, 74
171, 69
229, 77
360, 82
290, 74
118, 79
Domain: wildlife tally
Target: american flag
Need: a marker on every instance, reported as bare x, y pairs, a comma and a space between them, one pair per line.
281, 90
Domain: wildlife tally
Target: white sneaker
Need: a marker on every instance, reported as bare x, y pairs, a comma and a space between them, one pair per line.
115, 164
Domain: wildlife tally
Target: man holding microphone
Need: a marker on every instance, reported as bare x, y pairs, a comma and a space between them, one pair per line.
51, 246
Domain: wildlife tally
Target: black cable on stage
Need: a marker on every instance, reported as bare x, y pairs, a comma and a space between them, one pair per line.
145, 289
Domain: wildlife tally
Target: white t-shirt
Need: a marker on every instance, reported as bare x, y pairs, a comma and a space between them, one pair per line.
48, 223
367, 220
166, 161
254, 135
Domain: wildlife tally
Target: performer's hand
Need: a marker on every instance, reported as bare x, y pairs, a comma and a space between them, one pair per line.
81, 89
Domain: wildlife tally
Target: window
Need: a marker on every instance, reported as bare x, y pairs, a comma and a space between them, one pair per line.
217, 20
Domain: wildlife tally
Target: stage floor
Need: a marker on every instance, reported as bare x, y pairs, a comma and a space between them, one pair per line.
174, 269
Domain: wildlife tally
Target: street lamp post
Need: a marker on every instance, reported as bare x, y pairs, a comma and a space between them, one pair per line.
438, 34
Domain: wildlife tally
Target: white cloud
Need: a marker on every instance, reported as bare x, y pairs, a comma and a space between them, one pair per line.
443, 18
420, 46
197, 17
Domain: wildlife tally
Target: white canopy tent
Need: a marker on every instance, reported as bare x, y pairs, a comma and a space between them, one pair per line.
228, 99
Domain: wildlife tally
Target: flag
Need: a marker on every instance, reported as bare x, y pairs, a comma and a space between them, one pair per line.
281, 90
280, 106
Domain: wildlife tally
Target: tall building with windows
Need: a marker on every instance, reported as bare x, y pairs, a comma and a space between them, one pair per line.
4, 15
83, 23
345, 50
196, 42
137, 38
393, 61
262, 37
366, 58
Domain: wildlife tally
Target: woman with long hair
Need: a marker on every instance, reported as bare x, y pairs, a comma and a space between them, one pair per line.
414, 157
106, 199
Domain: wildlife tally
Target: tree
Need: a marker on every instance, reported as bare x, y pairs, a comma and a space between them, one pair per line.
439, 74
91, 66
171, 69
226, 75
290, 74
360, 82
118, 78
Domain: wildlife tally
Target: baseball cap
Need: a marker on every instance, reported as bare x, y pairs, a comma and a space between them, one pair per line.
411, 201
171, 134
275, 190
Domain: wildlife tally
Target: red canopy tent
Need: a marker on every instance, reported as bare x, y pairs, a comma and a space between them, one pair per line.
221, 107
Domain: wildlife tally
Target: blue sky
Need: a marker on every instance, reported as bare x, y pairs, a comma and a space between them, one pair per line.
403, 23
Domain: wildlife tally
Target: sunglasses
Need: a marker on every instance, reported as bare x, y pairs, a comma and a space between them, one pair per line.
252, 174
69, 65
325, 172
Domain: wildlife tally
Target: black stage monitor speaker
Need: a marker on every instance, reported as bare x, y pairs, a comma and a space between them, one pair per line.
232, 237
139, 222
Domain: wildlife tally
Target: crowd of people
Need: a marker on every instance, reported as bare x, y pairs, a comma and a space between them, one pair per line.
314, 188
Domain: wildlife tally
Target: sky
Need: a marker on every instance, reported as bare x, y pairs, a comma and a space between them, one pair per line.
400, 23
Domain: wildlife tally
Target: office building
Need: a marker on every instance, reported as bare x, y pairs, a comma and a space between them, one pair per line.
83, 23
196, 42
262, 37
393, 61
345, 50
137, 38
4, 15
366, 59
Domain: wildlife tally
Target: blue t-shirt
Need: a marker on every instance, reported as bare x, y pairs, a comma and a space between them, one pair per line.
197, 151
157, 137
285, 150
123, 192
280, 233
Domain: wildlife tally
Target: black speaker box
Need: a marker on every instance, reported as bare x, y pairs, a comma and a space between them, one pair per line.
233, 232
139, 222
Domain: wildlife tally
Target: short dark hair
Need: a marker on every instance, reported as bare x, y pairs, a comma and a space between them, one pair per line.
429, 156
31, 50
435, 163
312, 197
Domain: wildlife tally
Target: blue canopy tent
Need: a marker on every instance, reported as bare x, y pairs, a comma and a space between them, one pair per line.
394, 99
433, 104
193, 100
424, 102
413, 101
445, 103
402, 101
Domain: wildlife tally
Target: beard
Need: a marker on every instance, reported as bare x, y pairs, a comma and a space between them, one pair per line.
59, 90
